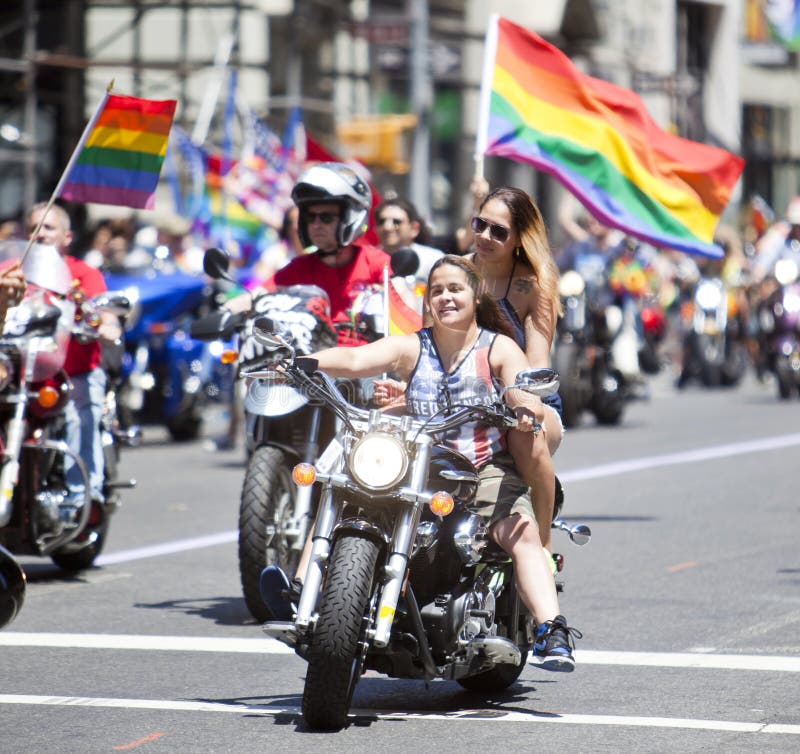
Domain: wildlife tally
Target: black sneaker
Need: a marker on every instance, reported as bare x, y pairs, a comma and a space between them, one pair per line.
552, 649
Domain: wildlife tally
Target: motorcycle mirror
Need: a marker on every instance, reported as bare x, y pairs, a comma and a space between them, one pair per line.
580, 534
216, 264
114, 302
404, 261
541, 381
265, 329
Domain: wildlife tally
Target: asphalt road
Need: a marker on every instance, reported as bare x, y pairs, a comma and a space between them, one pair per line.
688, 597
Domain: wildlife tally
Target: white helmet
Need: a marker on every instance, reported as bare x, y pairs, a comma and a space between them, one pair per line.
337, 183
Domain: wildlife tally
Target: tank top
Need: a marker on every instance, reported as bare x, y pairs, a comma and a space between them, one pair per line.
431, 390
519, 334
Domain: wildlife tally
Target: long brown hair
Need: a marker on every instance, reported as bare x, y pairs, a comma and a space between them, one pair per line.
488, 314
527, 221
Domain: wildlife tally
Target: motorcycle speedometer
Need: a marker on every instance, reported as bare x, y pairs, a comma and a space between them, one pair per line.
378, 461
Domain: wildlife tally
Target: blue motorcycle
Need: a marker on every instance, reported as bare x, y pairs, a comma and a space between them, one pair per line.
167, 376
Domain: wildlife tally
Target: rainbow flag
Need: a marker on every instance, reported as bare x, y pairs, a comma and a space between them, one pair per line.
403, 320
599, 141
784, 21
119, 156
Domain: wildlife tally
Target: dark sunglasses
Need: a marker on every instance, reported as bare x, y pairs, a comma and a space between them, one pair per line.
498, 233
393, 220
326, 218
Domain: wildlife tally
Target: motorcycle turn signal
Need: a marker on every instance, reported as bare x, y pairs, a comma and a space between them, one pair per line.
441, 503
304, 474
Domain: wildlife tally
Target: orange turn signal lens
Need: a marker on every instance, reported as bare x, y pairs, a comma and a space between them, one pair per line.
304, 474
442, 503
229, 356
47, 397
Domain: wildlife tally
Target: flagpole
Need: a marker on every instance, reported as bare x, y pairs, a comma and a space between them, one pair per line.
489, 54
386, 284
61, 181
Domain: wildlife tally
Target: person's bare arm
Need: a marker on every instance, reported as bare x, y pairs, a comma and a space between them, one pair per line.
396, 353
12, 288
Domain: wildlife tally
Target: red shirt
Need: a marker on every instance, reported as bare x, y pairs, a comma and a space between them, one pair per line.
342, 284
83, 357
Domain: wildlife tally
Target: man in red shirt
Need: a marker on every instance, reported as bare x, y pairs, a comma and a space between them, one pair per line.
334, 205
84, 411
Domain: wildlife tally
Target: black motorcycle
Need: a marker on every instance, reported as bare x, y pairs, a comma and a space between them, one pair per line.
402, 578
582, 355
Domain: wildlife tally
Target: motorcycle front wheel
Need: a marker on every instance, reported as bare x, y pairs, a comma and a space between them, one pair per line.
267, 504
565, 362
335, 657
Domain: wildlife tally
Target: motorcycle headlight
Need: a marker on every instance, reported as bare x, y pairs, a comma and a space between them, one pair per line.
6, 371
378, 461
786, 271
708, 295
571, 284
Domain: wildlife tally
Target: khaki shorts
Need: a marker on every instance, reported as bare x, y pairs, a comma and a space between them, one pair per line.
501, 491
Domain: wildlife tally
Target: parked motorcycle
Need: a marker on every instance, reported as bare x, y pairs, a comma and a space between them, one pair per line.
779, 324
402, 578
714, 350
582, 355
33, 392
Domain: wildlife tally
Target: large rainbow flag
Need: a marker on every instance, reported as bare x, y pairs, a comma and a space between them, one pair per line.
119, 156
599, 141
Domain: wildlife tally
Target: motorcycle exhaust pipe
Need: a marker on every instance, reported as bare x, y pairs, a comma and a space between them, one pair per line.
12, 587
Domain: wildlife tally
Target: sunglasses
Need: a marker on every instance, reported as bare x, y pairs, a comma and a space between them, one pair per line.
326, 218
498, 233
393, 220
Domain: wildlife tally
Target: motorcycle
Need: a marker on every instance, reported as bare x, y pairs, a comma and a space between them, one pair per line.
282, 427
779, 324
33, 392
402, 578
167, 376
713, 342
582, 356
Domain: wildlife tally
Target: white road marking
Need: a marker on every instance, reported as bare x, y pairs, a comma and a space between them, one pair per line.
459, 716
575, 475
679, 458
266, 645
167, 548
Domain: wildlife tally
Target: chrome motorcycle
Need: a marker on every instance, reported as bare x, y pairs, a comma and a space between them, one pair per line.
282, 427
34, 390
402, 577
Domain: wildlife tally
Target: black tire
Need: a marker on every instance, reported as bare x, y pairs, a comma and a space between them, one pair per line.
565, 362
784, 375
335, 657
185, 425
268, 498
496, 679
84, 558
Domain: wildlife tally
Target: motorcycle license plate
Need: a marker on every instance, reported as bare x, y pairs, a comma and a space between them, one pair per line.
330, 457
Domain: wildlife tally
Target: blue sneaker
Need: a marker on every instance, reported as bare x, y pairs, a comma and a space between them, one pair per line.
552, 648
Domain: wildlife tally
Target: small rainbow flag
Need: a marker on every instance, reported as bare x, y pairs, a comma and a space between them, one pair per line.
403, 320
119, 156
600, 142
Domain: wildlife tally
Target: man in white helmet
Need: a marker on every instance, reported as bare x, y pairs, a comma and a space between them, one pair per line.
334, 204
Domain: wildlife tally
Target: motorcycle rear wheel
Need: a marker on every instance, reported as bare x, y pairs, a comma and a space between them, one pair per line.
335, 657
268, 499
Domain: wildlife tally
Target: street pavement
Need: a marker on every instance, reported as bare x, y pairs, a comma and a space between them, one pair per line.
688, 597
